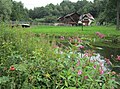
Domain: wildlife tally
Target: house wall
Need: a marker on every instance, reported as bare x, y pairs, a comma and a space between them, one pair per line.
76, 17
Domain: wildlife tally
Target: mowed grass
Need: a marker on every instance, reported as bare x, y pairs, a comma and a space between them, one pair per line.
74, 30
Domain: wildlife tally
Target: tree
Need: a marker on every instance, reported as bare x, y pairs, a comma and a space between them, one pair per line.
5, 9
115, 4
19, 12
50, 19
118, 15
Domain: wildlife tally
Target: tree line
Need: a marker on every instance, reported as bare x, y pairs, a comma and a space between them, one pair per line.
102, 10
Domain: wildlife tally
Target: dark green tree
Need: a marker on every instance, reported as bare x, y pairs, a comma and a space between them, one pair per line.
5, 9
19, 12
112, 12
118, 15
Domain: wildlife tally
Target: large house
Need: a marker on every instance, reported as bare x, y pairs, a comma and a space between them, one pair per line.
86, 19
71, 19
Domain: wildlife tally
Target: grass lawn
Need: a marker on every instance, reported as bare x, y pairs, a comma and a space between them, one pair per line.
72, 31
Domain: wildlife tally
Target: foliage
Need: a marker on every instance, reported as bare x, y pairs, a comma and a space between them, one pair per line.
27, 61
5, 9
19, 12
50, 19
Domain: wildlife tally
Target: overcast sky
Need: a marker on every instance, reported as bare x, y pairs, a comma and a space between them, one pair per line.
30, 4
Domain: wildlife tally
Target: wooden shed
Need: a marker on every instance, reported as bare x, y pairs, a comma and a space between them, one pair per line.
71, 19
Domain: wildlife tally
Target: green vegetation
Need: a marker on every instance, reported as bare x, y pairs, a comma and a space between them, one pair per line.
71, 31
27, 62
58, 57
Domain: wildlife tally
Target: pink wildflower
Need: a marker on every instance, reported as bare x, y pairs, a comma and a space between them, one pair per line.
118, 58
86, 55
12, 68
79, 72
62, 38
85, 77
81, 47
94, 66
101, 64
79, 40
101, 71
101, 36
98, 33
108, 72
107, 61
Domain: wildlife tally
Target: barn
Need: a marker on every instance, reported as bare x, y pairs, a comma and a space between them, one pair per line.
71, 19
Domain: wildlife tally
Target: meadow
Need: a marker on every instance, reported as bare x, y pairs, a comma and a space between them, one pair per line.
37, 58
72, 31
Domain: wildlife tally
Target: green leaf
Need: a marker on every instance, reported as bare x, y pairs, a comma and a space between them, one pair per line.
90, 77
4, 79
21, 67
71, 88
103, 87
69, 77
62, 87
66, 84
62, 77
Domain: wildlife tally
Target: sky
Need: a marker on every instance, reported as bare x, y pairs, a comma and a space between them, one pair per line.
30, 4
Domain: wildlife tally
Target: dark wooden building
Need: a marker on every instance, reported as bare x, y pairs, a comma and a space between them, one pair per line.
71, 19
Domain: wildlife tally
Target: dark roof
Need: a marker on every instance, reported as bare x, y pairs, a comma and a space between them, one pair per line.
68, 15
71, 14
